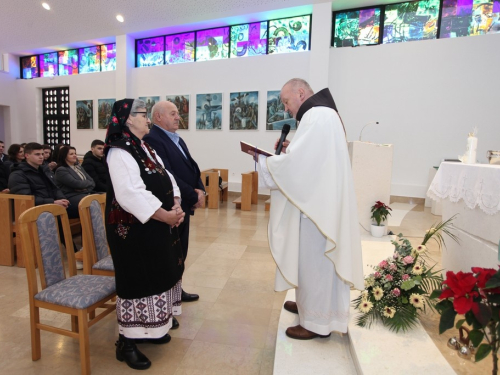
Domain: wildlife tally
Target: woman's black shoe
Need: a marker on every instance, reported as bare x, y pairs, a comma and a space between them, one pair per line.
127, 351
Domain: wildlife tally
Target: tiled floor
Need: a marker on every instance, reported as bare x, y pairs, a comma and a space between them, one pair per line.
230, 330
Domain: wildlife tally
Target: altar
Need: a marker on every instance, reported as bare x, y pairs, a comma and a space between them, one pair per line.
472, 192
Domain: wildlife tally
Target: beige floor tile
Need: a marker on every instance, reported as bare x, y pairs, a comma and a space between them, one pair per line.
225, 250
197, 309
189, 279
232, 334
267, 365
188, 327
254, 270
240, 314
249, 285
206, 294
247, 298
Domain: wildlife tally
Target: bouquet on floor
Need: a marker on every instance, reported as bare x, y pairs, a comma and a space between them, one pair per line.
476, 296
399, 289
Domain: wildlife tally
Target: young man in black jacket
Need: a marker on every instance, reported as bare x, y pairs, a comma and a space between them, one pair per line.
93, 163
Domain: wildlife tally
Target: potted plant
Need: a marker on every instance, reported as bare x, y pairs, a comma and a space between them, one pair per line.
379, 216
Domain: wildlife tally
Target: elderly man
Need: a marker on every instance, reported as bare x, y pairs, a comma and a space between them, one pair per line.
313, 230
178, 161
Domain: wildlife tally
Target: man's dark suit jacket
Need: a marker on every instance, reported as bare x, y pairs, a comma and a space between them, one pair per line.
185, 171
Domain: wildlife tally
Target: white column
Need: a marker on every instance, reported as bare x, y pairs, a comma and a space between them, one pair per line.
125, 62
320, 45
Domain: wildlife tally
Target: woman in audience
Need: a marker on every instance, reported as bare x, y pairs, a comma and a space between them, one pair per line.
16, 153
55, 154
72, 179
143, 212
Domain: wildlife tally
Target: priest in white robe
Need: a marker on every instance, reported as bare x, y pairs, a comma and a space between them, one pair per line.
313, 227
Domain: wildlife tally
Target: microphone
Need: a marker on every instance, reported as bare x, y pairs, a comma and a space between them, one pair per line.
284, 133
361, 133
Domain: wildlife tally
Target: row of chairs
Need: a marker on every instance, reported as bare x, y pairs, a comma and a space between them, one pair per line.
63, 290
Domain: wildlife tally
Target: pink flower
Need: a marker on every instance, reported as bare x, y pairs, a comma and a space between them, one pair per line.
396, 292
388, 277
408, 259
383, 264
393, 267
377, 275
405, 277
115, 120
395, 255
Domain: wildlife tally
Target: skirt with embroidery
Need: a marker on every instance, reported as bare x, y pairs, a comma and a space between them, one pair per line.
148, 317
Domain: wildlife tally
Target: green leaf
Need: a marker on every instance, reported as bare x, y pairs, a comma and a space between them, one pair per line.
476, 337
494, 281
444, 305
483, 351
408, 284
494, 298
404, 300
483, 315
418, 278
447, 320
459, 323
436, 293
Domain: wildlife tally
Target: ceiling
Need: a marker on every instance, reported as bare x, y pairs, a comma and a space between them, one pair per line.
27, 28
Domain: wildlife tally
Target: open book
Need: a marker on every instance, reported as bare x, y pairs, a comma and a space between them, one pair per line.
245, 147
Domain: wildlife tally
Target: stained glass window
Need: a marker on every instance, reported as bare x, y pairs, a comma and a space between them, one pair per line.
415, 20
68, 62
89, 60
150, 51
48, 64
249, 39
357, 28
29, 67
289, 34
212, 44
469, 17
179, 48
108, 57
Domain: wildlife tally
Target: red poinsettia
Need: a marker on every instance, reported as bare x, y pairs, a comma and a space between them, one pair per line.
460, 286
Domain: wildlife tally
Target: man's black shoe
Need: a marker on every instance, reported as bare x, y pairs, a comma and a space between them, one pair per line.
175, 323
187, 297
158, 341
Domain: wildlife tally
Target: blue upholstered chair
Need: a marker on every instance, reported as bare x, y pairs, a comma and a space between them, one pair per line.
77, 295
96, 258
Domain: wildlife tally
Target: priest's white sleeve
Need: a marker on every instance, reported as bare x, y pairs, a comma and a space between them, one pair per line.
265, 178
130, 190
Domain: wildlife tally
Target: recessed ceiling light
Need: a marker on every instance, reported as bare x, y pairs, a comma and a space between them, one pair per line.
120, 18
46, 6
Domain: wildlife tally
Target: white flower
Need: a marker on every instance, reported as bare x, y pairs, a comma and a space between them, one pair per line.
421, 249
378, 293
365, 306
369, 282
389, 312
417, 301
364, 295
417, 269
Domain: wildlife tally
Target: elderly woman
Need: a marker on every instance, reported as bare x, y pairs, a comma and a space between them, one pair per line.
142, 215
72, 179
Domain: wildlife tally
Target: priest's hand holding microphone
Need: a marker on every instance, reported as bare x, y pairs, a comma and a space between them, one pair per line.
280, 145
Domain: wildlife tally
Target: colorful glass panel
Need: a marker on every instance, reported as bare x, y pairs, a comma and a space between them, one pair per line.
289, 34
150, 51
179, 48
30, 67
357, 28
89, 59
249, 39
212, 44
68, 62
415, 20
108, 57
469, 17
48, 64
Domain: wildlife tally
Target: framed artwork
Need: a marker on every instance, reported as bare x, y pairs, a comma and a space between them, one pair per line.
244, 110
68, 62
48, 64
89, 60
150, 102
104, 109
354, 28
413, 20
150, 51
468, 17
108, 57
276, 116
209, 111
179, 48
249, 39
29, 67
290, 35
212, 44
182, 104
84, 114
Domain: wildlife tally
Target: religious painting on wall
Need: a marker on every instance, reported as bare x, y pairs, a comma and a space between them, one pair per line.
179, 48
276, 116
290, 35
212, 44
89, 60
249, 39
108, 57
469, 17
150, 102
209, 111
84, 114
48, 64
357, 28
414, 20
150, 51
68, 62
30, 67
104, 109
182, 104
244, 110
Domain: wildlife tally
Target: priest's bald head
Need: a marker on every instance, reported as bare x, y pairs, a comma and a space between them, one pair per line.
295, 92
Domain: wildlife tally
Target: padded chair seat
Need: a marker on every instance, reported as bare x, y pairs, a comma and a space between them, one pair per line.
105, 264
79, 291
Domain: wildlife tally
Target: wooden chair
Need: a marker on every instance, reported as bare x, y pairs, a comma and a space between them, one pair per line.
96, 257
77, 295
213, 189
249, 191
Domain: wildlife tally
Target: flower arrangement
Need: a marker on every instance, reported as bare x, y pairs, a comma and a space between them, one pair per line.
399, 289
476, 295
380, 211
